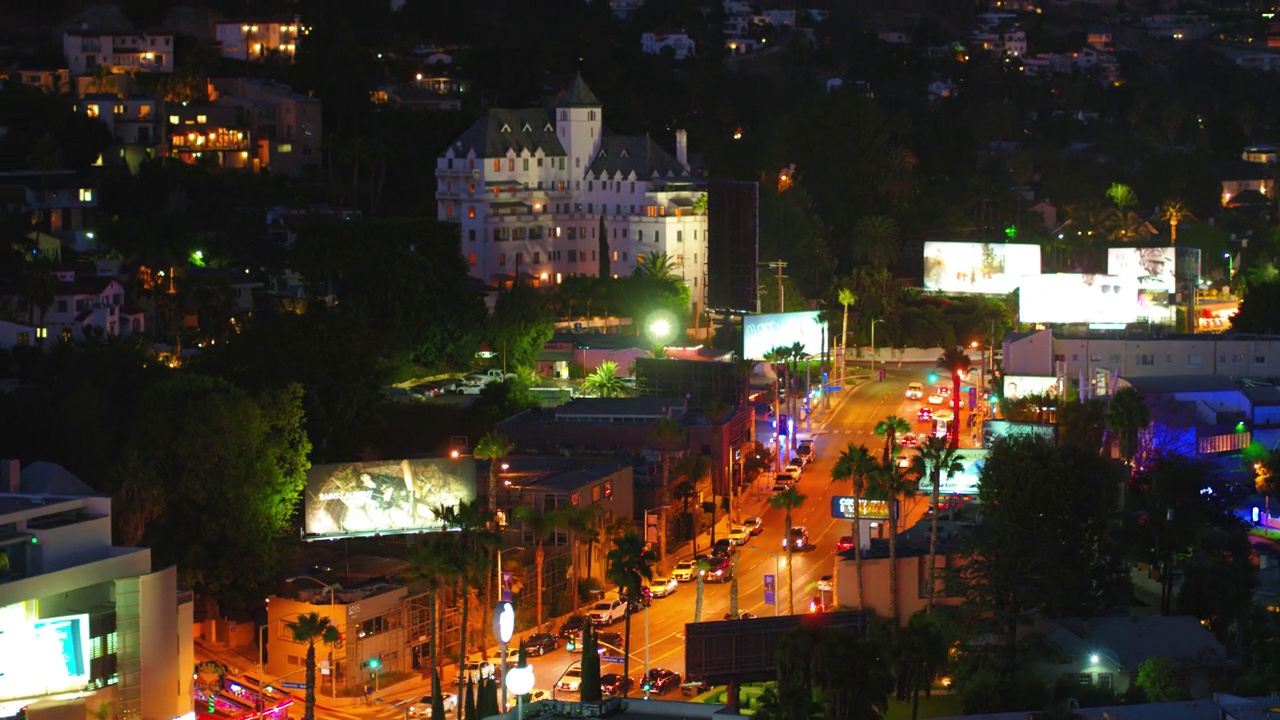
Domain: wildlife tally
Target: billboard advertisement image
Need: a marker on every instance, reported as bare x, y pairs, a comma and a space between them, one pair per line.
762, 333
385, 497
1153, 268
964, 482
984, 268
49, 655
1078, 298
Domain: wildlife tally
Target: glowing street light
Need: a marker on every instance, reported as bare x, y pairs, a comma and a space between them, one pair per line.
520, 682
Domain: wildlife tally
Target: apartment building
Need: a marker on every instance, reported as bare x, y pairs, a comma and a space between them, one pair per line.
147, 51
60, 203
82, 621
543, 194
213, 134
251, 40
134, 123
285, 126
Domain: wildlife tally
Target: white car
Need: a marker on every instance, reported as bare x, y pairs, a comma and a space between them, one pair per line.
572, 679
739, 535
915, 391
662, 586
936, 399
795, 468
513, 657
607, 612
422, 708
684, 571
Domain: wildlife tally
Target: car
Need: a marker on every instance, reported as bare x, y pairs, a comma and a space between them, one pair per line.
662, 586
845, 543
744, 615
910, 440
805, 449
798, 539
719, 569
571, 681
943, 390
795, 468
925, 414
915, 391
722, 547
944, 414
784, 479
475, 669
782, 487
683, 571
660, 680
739, 535
610, 640
513, 657
754, 524
427, 390
936, 399
826, 584
607, 612
422, 708
615, 684
572, 627
541, 644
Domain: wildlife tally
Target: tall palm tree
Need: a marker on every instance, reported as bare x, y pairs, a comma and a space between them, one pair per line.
700, 568
846, 298
956, 363
789, 499
630, 564
889, 483
777, 357
717, 411
543, 527
311, 628
876, 241
938, 457
428, 566
1128, 226
795, 354
579, 521
469, 558
655, 266
853, 466
1174, 212
1127, 415
605, 382
493, 447
667, 432
891, 427
693, 469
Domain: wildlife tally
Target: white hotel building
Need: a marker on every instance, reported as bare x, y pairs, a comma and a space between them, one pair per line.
533, 188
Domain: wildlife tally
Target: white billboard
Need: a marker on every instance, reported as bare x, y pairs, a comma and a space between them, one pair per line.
985, 268
1078, 298
1151, 267
964, 482
762, 333
42, 657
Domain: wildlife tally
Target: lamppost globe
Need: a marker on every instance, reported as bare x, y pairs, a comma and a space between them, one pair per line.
660, 328
520, 680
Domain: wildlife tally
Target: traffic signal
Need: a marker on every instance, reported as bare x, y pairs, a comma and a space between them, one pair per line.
784, 424
571, 646
933, 377
646, 686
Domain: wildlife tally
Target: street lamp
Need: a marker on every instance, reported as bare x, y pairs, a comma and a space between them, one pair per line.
333, 594
504, 624
1231, 266
660, 327
519, 681
873, 342
661, 529
777, 573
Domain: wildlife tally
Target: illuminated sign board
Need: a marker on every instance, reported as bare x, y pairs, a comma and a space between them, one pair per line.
1152, 268
1015, 386
762, 333
964, 482
985, 268
42, 657
842, 508
1078, 298
385, 497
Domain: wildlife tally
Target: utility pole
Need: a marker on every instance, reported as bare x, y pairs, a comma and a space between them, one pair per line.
778, 265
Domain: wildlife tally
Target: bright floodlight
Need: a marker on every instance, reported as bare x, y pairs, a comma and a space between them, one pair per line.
661, 327
1093, 659
520, 680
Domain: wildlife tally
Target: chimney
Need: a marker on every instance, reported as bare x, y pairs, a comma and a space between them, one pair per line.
11, 476
682, 147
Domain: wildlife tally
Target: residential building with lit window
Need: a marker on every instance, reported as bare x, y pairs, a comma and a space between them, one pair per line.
51, 81
82, 307
533, 188
134, 123
257, 40
82, 621
285, 125
60, 203
148, 51
212, 134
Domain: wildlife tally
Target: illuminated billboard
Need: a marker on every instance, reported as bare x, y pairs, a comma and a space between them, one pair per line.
1152, 268
842, 508
985, 268
42, 657
385, 497
964, 482
1078, 298
762, 333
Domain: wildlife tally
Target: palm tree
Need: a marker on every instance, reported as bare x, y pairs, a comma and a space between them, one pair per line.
630, 564
789, 499
470, 557
921, 651
694, 470
938, 457
580, 522
876, 240
955, 362
795, 354
605, 382
888, 483
309, 629
897, 182
775, 357
1174, 213
428, 565
846, 298
543, 527
890, 428
655, 266
493, 447
1127, 415
700, 568
1128, 226
667, 433
854, 465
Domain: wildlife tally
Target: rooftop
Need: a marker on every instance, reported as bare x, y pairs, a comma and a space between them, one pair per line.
553, 473
1169, 384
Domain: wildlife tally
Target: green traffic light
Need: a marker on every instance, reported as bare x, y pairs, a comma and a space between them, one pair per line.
375, 663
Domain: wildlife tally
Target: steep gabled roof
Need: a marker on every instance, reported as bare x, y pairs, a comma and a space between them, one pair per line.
577, 95
635, 153
502, 129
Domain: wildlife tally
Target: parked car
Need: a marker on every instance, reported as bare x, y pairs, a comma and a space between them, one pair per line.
571, 681
738, 535
798, 540
615, 684
845, 543
513, 657
795, 468
719, 569
754, 524
683, 571
723, 547
422, 708
661, 587
572, 627
607, 612
804, 450
915, 391
541, 644
744, 615
660, 680
427, 390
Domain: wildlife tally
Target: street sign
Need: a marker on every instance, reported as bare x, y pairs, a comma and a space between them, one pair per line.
291, 685
834, 388
973, 398
507, 580
770, 597
610, 659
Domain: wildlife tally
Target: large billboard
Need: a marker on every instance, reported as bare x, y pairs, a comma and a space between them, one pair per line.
985, 268
1078, 298
964, 482
1152, 268
762, 333
385, 497
42, 657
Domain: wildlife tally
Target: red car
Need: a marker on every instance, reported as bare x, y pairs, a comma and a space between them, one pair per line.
925, 415
910, 441
844, 543
944, 391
